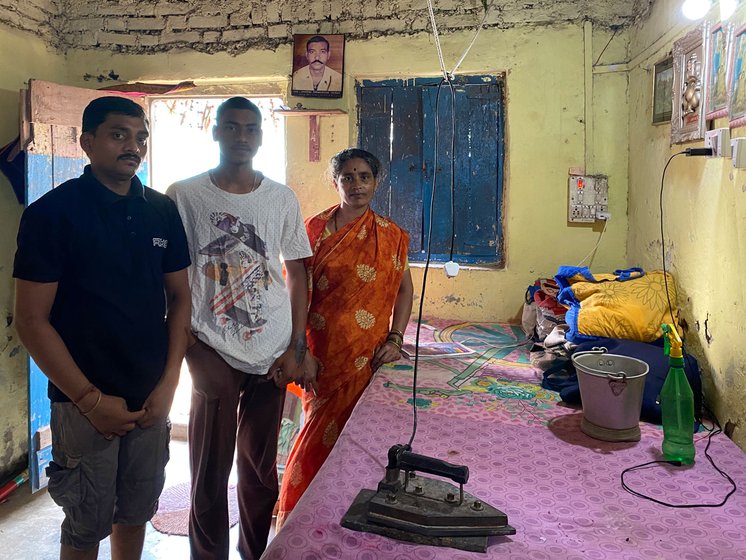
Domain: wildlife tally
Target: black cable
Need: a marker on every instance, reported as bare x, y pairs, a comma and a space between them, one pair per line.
663, 240
716, 426
722, 473
430, 232
453, 166
424, 274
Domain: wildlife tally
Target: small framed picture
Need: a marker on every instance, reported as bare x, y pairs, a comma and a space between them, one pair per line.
737, 93
689, 86
662, 92
716, 104
318, 65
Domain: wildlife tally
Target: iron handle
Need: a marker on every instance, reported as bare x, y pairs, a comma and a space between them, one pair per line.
421, 463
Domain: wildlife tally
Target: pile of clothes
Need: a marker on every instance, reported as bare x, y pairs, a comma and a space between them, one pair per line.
577, 311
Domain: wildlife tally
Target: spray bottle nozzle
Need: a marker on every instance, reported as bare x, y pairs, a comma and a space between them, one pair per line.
671, 341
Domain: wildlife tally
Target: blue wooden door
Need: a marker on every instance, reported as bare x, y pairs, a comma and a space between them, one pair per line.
51, 126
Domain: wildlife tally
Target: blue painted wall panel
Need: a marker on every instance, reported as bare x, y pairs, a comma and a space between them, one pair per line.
43, 172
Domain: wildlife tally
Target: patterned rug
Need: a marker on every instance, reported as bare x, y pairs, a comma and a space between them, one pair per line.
172, 517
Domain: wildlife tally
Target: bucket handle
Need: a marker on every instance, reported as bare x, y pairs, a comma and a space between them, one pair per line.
594, 350
617, 376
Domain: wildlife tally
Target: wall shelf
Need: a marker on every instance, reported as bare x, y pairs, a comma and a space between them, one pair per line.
314, 140
309, 112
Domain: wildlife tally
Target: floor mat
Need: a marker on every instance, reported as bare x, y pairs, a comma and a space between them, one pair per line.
172, 517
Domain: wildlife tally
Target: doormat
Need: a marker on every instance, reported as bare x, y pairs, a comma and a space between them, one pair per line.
172, 517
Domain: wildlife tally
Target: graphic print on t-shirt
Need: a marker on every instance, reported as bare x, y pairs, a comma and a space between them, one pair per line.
237, 264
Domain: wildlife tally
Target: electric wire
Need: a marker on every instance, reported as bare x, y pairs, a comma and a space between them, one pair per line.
436, 139
663, 239
649, 464
606, 47
716, 426
453, 165
431, 13
474, 39
596, 245
447, 78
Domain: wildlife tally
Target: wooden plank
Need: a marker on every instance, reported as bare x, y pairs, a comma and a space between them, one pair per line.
374, 136
41, 139
406, 164
39, 176
43, 437
438, 164
63, 105
24, 117
308, 112
65, 142
314, 141
479, 178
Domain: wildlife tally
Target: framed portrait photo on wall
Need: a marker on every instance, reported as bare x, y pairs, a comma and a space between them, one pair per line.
318, 65
689, 86
662, 91
737, 86
716, 103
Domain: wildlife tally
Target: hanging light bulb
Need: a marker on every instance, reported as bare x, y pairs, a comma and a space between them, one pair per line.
696, 9
727, 7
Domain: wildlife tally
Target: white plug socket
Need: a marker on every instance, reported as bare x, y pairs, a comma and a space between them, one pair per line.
738, 149
719, 141
451, 269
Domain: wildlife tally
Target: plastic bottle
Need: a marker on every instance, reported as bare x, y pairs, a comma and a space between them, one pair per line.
677, 404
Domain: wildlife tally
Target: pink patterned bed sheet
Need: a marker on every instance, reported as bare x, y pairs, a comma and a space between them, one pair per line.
527, 456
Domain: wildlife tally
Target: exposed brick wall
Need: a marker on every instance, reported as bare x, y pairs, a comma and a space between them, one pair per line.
40, 17
144, 26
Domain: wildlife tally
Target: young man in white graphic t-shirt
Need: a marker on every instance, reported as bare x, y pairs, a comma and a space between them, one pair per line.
248, 320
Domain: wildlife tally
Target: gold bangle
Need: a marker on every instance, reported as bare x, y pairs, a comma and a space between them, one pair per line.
397, 344
397, 332
98, 401
88, 389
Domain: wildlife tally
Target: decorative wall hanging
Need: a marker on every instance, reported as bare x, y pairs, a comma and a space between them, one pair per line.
662, 90
737, 81
689, 86
716, 46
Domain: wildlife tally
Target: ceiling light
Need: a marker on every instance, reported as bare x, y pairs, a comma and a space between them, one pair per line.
727, 7
696, 9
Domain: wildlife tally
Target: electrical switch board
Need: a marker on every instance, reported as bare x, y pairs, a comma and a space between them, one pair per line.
588, 198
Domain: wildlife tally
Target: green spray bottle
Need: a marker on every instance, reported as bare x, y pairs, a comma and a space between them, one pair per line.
677, 403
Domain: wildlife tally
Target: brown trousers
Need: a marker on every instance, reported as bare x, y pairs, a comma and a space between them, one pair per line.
215, 431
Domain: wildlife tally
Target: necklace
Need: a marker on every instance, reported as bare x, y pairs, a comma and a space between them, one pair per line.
255, 181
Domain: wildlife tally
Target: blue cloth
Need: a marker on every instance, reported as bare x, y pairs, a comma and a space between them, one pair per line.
651, 354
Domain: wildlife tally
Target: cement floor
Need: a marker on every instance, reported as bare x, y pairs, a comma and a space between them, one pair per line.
30, 524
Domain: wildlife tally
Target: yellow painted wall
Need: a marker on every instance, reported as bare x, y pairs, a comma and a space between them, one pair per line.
545, 71
545, 136
21, 56
705, 224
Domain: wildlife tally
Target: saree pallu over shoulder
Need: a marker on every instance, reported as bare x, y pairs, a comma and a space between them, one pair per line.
354, 277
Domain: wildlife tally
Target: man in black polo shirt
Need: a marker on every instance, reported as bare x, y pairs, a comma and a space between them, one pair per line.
103, 306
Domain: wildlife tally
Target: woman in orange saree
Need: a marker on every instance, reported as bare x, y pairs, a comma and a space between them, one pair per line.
357, 275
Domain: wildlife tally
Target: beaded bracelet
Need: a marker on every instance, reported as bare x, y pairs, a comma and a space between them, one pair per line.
98, 401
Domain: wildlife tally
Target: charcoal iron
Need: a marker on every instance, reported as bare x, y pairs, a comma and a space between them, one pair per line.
424, 510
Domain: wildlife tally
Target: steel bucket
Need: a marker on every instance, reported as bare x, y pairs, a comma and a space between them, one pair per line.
611, 388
